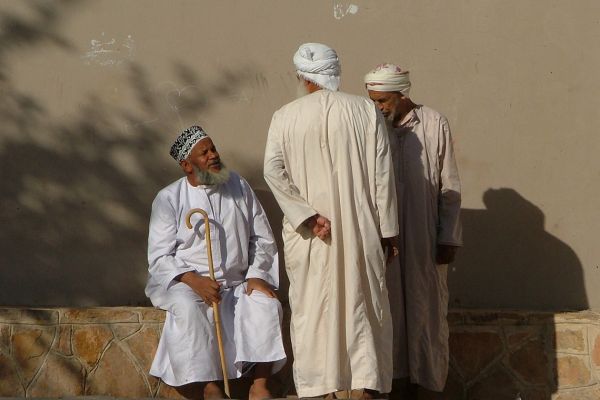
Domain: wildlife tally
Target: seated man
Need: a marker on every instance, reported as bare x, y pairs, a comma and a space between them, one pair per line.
246, 268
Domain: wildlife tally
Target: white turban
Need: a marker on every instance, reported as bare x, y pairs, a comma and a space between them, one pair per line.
318, 64
388, 78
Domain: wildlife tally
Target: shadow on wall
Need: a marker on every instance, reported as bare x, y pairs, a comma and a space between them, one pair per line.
76, 191
510, 262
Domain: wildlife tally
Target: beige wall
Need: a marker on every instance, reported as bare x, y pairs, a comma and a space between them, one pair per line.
93, 92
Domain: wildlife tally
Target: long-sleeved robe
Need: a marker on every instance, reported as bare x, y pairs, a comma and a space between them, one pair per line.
243, 247
429, 201
328, 153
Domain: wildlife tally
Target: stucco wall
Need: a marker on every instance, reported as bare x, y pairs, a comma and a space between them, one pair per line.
93, 92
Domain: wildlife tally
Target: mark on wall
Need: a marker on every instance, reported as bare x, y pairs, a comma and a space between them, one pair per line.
343, 8
109, 52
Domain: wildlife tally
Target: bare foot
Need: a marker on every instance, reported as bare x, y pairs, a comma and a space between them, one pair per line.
212, 391
259, 392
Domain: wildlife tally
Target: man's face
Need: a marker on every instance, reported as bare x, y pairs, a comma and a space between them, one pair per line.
389, 103
204, 156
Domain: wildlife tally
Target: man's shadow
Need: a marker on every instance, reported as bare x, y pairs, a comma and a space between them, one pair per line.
509, 261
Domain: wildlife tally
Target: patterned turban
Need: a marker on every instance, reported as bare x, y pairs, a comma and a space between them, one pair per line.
185, 142
388, 78
319, 64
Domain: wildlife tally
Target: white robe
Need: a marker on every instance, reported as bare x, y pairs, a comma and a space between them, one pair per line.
328, 153
243, 247
429, 201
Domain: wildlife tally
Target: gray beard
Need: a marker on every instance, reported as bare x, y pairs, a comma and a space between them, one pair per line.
389, 124
212, 178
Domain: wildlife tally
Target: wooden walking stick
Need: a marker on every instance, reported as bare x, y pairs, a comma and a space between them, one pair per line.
215, 306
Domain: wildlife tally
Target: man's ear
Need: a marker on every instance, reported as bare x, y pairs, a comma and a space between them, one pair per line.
186, 166
311, 86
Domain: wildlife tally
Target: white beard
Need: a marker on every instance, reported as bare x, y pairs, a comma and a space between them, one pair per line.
212, 178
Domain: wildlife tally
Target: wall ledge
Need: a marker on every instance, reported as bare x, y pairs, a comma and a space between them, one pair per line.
107, 351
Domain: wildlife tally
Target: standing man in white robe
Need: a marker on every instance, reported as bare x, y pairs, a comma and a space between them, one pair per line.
328, 164
246, 272
430, 230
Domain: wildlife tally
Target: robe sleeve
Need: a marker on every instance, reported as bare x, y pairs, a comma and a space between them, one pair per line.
385, 184
163, 264
263, 261
449, 226
295, 208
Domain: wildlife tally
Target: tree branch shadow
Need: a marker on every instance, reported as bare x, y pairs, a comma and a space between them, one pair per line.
77, 191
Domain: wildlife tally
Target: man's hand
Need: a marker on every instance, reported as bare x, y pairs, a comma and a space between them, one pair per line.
320, 226
261, 286
445, 254
206, 288
391, 246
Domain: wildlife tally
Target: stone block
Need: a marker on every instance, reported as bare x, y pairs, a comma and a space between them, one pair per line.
517, 335
589, 393
513, 318
99, 315
541, 318
153, 382
63, 343
516, 338
584, 317
4, 336
534, 394
30, 344
123, 331
472, 351
10, 384
571, 338
572, 371
498, 385
595, 344
531, 363
89, 341
494, 317
152, 315
143, 345
59, 376
481, 318
34, 316
107, 379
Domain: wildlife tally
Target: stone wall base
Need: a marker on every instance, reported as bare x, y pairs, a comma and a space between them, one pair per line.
107, 352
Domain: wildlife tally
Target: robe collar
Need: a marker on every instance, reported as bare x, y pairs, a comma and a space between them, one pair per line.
207, 188
411, 119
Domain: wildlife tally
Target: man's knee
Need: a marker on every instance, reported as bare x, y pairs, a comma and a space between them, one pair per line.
261, 303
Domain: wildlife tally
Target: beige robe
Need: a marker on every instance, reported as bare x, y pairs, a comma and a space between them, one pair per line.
328, 153
429, 200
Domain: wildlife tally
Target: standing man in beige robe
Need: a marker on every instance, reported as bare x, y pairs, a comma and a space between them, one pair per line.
328, 164
430, 231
